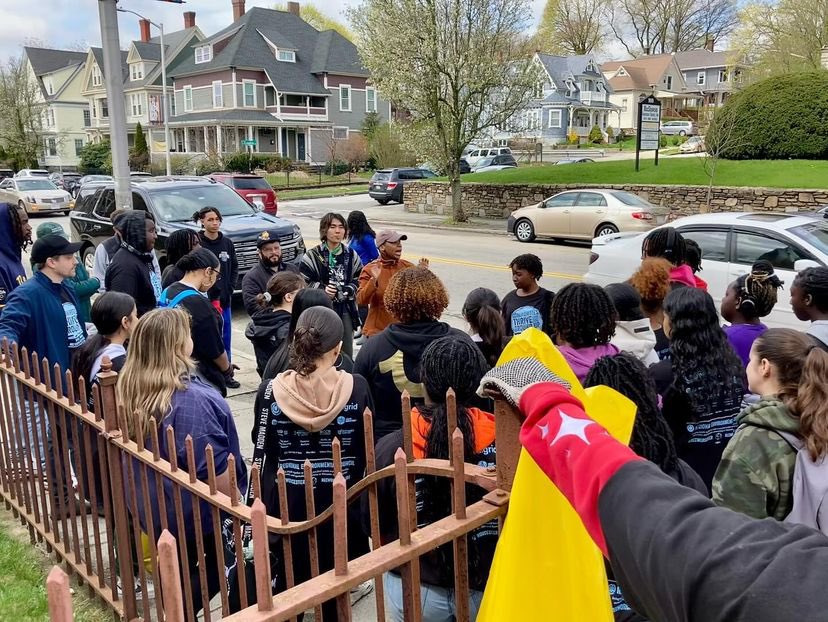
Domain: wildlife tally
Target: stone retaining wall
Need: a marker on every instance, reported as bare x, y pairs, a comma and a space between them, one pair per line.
498, 201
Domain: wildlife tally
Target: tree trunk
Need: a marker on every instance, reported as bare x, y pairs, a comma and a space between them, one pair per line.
458, 214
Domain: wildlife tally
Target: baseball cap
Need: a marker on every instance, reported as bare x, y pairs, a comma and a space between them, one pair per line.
389, 235
50, 228
266, 238
53, 246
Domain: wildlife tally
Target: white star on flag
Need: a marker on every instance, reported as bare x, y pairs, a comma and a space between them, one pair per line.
544, 429
570, 426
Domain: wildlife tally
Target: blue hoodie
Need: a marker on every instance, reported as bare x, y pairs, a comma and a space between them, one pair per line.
12, 273
34, 317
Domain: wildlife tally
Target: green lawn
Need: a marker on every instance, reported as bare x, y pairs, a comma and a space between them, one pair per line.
23, 570
680, 171
320, 193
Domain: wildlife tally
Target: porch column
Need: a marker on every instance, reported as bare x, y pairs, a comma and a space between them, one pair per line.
250, 136
186, 140
571, 115
219, 140
279, 140
206, 139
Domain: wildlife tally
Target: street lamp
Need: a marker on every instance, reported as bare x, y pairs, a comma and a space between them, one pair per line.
163, 88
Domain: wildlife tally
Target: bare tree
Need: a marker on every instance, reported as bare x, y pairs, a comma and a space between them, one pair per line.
21, 109
573, 26
468, 68
722, 136
355, 151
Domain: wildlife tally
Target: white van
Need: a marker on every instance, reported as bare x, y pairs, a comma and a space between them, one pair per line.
478, 154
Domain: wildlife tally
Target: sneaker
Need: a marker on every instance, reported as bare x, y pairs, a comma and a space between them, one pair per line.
233, 384
139, 589
361, 591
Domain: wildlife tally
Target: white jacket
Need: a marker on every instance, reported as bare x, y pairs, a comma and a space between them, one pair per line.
637, 338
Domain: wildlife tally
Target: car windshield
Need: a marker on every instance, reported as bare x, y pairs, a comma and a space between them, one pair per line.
485, 162
36, 184
633, 200
250, 183
815, 234
178, 204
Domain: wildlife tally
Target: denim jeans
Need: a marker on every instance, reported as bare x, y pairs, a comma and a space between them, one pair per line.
227, 329
437, 602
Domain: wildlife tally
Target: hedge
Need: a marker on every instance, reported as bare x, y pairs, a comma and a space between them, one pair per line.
778, 118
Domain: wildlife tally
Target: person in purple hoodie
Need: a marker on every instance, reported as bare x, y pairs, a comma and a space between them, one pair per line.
583, 322
748, 299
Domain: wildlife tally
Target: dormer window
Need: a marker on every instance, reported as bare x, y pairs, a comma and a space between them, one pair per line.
286, 56
591, 67
622, 72
97, 78
136, 72
203, 54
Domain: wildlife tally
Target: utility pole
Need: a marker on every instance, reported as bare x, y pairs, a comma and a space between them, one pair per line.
110, 41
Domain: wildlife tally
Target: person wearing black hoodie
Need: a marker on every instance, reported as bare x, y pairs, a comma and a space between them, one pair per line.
390, 361
15, 236
131, 270
270, 264
269, 327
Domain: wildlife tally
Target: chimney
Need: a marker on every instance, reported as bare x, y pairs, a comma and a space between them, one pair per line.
293, 7
709, 42
823, 57
145, 29
238, 9
189, 19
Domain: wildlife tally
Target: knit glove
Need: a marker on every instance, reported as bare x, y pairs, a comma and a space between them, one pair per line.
514, 377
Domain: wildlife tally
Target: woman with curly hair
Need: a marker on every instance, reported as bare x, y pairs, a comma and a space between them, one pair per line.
390, 361
652, 282
583, 321
702, 384
748, 299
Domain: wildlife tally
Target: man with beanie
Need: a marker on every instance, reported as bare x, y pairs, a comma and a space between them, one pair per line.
15, 236
132, 271
43, 316
270, 264
85, 285
375, 277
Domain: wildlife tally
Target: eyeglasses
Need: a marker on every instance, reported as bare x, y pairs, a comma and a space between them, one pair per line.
217, 273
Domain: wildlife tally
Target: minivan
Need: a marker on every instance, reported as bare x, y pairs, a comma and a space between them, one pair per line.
479, 154
678, 128
387, 184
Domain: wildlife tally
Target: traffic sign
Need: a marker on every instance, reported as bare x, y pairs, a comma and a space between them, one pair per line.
248, 142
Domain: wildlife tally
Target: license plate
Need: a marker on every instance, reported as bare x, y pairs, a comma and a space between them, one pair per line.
377, 187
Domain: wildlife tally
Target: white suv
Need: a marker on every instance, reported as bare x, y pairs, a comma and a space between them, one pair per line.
478, 154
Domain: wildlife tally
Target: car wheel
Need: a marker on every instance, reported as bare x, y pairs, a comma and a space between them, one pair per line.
402, 198
682, 133
605, 229
88, 258
22, 206
524, 230
382, 201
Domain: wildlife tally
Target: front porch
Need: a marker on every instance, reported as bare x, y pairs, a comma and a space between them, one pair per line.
583, 119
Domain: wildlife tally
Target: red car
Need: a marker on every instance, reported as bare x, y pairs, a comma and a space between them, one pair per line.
252, 187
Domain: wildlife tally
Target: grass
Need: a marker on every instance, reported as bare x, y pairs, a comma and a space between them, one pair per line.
321, 193
23, 570
679, 171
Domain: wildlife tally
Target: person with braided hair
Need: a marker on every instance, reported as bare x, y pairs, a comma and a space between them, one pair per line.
788, 371
15, 236
456, 363
669, 244
651, 439
583, 322
748, 299
809, 301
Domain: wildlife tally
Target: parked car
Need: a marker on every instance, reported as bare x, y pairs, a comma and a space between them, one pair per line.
31, 172
694, 144
36, 195
254, 188
731, 243
496, 163
5, 173
474, 156
678, 128
465, 167
137, 175
172, 204
387, 184
574, 161
66, 181
86, 179
583, 215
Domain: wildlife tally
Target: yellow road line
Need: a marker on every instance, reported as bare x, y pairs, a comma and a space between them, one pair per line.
490, 266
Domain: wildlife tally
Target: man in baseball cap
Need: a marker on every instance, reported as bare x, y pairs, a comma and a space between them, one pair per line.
375, 277
270, 263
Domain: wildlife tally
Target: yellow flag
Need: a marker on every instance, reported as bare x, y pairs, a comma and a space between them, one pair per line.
546, 567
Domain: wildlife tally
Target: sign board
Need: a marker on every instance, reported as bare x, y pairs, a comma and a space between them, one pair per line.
649, 126
248, 142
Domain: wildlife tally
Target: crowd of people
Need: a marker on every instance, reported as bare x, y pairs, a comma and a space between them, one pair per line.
726, 415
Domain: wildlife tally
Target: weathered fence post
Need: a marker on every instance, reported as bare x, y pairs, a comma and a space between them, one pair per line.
59, 596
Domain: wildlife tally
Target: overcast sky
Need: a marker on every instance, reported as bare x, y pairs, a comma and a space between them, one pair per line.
69, 23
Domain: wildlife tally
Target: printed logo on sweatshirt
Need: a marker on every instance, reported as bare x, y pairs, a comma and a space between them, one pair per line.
395, 364
224, 256
526, 317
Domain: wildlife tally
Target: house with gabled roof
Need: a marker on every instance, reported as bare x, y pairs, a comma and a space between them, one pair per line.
711, 75
58, 76
141, 74
271, 83
571, 98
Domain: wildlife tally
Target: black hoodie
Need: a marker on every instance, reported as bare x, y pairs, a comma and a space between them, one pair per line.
131, 270
267, 331
390, 362
223, 248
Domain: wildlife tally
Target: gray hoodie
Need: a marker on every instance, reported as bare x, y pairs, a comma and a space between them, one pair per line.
637, 338
819, 329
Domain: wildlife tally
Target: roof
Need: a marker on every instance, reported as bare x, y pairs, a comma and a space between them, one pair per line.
642, 72
44, 60
98, 54
703, 59
248, 47
561, 67
149, 51
242, 116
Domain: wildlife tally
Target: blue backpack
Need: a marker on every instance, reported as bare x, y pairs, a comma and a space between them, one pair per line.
164, 301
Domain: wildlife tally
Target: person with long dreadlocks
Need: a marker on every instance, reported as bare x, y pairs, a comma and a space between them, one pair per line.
809, 301
583, 322
651, 439
15, 237
669, 244
748, 299
451, 362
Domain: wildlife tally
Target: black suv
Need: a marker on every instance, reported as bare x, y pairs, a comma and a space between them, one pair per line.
387, 184
172, 202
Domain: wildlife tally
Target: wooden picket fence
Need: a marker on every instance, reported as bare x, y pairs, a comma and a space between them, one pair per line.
98, 531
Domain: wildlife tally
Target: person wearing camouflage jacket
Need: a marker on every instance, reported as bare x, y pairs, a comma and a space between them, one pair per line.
755, 475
